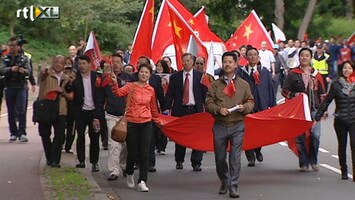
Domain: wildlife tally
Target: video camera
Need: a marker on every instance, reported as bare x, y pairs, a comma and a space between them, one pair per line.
21, 40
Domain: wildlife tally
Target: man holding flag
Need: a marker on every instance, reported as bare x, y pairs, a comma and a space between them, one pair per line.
229, 91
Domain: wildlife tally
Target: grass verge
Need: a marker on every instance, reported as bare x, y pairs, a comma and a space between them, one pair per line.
67, 183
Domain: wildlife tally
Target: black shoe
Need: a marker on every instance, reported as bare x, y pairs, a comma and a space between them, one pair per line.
197, 168
112, 177
95, 168
105, 148
251, 163
80, 165
55, 165
259, 156
69, 151
48, 163
152, 169
179, 165
223, 189
344, 177
233, 194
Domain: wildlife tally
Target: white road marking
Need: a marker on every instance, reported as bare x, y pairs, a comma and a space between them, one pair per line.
323, 150
334, 169
284, 144
335, 156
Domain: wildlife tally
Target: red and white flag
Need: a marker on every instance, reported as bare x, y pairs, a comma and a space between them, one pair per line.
93, 51
182, 34
143, 38
250, 32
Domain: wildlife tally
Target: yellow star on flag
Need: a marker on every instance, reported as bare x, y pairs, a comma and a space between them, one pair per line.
177, 29
152, 12
191, 21
248, 31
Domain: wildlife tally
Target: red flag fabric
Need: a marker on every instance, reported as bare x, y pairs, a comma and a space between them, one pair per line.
93, 51
201, 25
351, 78
162, 34
143, 38
51, 95
276, 124
230, 89
256, 77
182, 33
250, 32
205, 80
351, 39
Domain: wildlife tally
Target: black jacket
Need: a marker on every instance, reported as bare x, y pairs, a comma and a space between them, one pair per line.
78, 88
174, 96
344, 105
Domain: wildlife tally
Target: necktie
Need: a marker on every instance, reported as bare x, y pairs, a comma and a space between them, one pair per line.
185, 99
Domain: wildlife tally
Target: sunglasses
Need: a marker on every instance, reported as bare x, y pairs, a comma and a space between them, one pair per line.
200, 63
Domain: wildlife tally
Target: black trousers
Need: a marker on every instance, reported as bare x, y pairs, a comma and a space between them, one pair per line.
139, 136
161, 139
180, 151
52, 149
70, 133
2, 86
104, 132
342, 129
250, 154
86, 120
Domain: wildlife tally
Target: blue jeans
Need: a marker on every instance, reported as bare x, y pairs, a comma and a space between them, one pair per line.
234, 135
311, 156
335, 68
16, 107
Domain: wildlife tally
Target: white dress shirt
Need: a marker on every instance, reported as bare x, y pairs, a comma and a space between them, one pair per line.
88, 96
266, 58
191, 94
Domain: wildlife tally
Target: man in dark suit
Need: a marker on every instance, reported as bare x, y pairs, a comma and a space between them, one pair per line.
186, 95
260, 82
155, 82
88, 111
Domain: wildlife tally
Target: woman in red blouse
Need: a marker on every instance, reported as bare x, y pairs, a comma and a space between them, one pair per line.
140, 112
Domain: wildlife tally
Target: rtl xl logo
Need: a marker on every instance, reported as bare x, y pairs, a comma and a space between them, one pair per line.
42, 12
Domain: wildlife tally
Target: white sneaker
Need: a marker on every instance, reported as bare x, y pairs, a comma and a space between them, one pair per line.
23, 138
12, 138
130, 181
142, 187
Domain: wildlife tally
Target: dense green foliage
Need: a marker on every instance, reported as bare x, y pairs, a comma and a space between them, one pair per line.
115, 22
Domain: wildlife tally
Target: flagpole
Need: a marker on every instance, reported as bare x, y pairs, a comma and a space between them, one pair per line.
157, 21
262, 27
139, 24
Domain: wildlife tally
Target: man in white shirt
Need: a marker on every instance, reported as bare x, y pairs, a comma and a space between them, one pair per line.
267, 58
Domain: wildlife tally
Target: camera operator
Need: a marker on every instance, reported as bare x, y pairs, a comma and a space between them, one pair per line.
15, 67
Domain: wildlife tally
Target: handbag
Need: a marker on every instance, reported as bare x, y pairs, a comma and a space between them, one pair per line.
119, 131
45, 110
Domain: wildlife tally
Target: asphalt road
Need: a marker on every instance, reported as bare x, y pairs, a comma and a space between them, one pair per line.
277, 178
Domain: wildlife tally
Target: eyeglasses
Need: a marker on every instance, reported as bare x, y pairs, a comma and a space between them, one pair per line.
200, 63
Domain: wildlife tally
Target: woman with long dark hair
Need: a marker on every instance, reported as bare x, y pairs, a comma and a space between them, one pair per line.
342, 91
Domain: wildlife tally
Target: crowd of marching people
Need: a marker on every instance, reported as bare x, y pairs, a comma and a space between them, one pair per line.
250, 77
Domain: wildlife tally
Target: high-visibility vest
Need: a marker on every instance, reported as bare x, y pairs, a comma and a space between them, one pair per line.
321, 65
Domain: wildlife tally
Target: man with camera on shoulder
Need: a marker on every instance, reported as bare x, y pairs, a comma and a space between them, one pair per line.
15, 67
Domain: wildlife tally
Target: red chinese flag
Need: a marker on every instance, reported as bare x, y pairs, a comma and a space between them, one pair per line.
93, 51
200, 24
51, 95
230, 89
162, 34
143, 38
206, 81
270, 126
250, 32
182, 33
